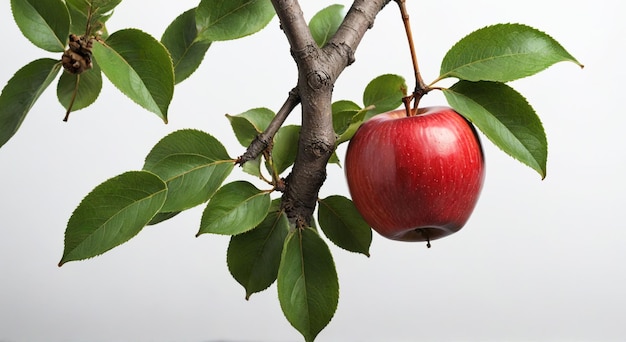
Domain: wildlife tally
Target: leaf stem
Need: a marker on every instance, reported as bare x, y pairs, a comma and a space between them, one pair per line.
88, 25
71, 104
421, 88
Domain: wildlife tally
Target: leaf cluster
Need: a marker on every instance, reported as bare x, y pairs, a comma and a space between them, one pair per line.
484, 61
188, 168
142, 67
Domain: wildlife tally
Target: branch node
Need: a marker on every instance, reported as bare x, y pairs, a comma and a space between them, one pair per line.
318, 79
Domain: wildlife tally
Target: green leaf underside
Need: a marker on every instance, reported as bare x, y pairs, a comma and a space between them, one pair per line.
89, 86
187, 52
325, 23
219, 20
45, 23
21, 93
343, 225
140, 67
285, 147
234, 209
308, 289
249, 124
385, 93
502, 53
253, 167
192, 163
254, 256
505, 117
113, 213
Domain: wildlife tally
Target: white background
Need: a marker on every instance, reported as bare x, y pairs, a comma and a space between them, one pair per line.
538, 260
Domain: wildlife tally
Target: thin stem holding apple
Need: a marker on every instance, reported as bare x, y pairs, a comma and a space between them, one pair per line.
421, 88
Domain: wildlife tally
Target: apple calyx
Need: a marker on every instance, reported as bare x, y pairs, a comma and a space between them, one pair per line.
424, 232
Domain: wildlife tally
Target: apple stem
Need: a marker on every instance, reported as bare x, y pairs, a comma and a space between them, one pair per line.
421, 88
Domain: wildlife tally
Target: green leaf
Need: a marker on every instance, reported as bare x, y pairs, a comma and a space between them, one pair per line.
180, 38
285, 147
249, 124
234, 209
79, 23
21, 93
334, 159
160, 217
345, 105
104, 6
97, 12
86, 85
193, 164
505, 117
140, 67
308, 289
253, 167
219, 20
254, 256
325, 23
348, 122
343, 225
113, 213
502, 53
385, 93
342, 120
343, 112
97, 7
45, 23
78, 19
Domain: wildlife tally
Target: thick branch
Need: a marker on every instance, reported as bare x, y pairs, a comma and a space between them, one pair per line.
318, 70
295, 27
358, 20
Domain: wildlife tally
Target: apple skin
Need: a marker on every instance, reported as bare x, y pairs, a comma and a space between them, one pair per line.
415, 178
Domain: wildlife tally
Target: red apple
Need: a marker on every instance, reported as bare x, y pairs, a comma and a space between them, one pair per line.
415, 178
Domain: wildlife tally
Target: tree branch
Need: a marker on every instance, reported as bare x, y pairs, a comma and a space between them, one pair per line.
295, 28
263, 140
318, 70
358, 20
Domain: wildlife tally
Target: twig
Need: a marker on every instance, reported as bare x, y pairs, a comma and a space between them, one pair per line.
264, 139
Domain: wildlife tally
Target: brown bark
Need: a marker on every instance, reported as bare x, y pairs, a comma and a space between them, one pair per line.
318, 69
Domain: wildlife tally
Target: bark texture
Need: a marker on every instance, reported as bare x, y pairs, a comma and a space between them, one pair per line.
318, 69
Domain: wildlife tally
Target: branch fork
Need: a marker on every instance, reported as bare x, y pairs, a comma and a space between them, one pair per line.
318, 69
